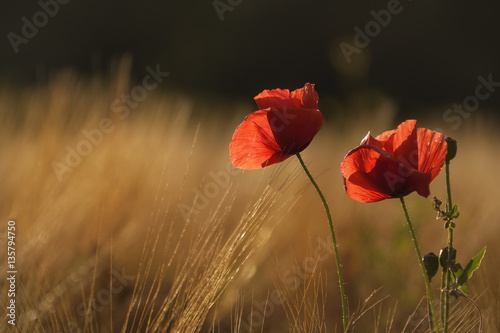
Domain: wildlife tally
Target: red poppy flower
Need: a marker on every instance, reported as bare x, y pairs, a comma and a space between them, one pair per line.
285, 125
394, 164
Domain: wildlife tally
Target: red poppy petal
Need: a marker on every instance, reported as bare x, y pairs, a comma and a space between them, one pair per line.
275, 97
402, 143
253, 142
419, 182
370, 140
432, 149
359, 183
305, 97
394, 138
280, 129
294, 128
384, 137
371, 174
275, 159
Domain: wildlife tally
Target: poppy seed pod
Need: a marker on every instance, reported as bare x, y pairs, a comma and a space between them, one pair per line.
431, 264
452, 149
443, 258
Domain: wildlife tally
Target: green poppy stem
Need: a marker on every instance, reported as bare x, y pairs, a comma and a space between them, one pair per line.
443, 300
334, 240
422, 266
446, 278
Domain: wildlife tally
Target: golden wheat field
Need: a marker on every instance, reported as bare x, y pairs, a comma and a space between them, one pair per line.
129, 217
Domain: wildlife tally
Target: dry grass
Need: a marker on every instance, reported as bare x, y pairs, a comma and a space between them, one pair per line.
140, 237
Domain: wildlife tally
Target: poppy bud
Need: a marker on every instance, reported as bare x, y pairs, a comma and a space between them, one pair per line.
443, 258
452, 149
431, 264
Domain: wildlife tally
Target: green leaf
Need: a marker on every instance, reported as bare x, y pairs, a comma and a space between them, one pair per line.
461, 276
457, 272
462, 279
454, 212
463, 288
474, 264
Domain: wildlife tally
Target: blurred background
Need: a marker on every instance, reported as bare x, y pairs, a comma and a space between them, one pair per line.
91, 199
426, 53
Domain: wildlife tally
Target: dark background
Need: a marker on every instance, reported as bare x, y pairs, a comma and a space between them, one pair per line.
429, 54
